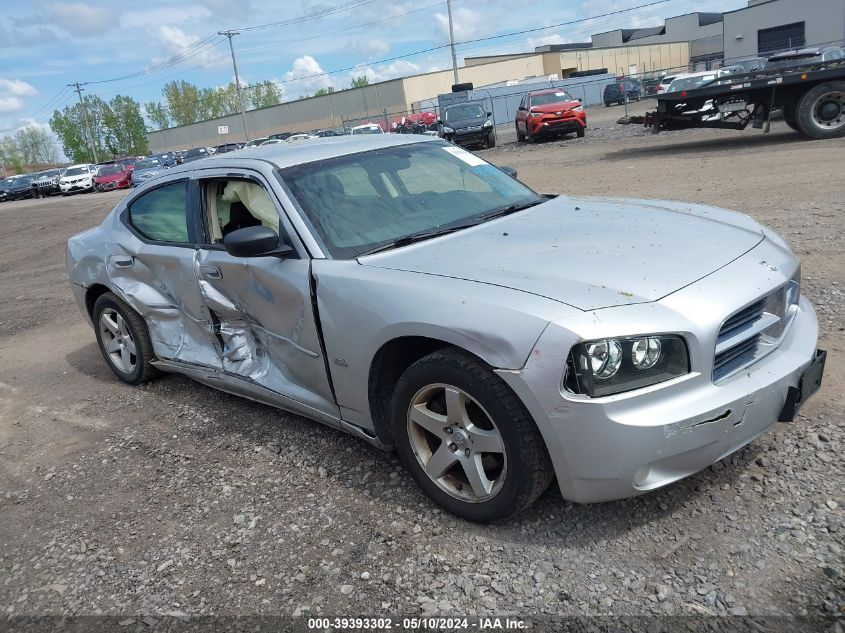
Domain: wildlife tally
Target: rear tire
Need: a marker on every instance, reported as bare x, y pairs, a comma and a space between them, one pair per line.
820, 112
123, 339
448, 409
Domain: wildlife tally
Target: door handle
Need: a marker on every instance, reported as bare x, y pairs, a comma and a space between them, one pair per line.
123, 262
212, 272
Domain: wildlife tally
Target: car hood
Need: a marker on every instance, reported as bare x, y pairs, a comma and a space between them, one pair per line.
589, 253
551, 108
462, 124
145, 173
110, 177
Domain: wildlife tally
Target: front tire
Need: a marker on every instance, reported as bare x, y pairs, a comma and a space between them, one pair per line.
580, 133
468, 441
520, 137
491, 141
123, 339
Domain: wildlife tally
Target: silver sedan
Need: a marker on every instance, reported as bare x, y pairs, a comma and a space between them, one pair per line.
407, 292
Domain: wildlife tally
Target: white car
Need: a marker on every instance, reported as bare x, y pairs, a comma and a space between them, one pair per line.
689, 81
664, 84
367, 128
296, 138
272, 141
77, 178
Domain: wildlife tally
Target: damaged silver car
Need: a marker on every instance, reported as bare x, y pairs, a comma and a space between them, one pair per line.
407, 292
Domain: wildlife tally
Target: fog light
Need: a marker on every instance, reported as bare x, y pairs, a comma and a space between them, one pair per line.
605, 358
645, 352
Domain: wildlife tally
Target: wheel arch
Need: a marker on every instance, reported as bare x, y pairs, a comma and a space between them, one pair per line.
388, 364
92, 293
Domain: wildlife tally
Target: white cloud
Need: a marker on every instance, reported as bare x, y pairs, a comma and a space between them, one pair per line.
12, 92
306, 76
11, 104
83, 20
175, 41
17, 88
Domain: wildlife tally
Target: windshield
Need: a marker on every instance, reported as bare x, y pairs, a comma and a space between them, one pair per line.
108, 170
150, 163
358, 202
688, 83
551, 97
463, 112
76, 171
197, 151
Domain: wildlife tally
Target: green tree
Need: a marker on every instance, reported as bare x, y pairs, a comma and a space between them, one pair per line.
35, 147
182, 100
321, 92
123, 127
10, 154
69, 126
264, 94
360, 82
157, 114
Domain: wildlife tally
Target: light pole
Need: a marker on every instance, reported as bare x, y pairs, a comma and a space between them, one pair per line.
452, 40
230, 35
91, 145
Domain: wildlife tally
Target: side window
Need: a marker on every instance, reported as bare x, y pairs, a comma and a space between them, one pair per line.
162, 214
232, 204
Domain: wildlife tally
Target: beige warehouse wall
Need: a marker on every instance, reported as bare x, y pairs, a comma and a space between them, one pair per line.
327, 111
422, 87
619, 59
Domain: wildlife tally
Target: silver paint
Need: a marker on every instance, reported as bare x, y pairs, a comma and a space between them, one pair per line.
517, 292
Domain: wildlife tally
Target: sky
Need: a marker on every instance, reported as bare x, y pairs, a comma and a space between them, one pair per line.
134, 48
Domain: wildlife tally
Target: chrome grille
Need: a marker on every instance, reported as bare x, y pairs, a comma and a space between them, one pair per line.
752, 332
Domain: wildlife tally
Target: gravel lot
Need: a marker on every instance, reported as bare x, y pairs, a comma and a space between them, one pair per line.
174, 498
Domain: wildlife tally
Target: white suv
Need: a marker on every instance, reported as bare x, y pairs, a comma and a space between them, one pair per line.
77, 178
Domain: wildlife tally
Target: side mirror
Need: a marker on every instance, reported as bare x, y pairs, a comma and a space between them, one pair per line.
510, 171
255, 241
489, 114
439, 121
578, 99
522, 108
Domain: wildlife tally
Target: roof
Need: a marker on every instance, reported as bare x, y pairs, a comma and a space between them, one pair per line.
284, 155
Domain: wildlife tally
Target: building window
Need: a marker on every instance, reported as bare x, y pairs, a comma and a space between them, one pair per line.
780, 38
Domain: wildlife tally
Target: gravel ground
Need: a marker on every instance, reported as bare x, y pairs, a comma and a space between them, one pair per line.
174, 498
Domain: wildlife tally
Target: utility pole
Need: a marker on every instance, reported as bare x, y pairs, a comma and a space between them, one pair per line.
91, 145
452, 40
230, 35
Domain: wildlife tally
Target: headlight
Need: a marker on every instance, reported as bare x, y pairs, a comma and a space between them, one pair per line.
448, 130
536, 115
579, 108
608, 366
488, 123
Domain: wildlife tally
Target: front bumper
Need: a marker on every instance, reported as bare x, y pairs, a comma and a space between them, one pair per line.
76, 186
626, 444
556, 125
470, 137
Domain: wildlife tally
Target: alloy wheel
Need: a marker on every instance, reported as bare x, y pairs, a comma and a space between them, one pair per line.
117, 340
457, 443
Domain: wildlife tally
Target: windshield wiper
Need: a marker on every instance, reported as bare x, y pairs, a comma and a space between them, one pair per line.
427, 235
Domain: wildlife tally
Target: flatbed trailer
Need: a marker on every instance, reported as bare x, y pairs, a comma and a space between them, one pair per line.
811, 97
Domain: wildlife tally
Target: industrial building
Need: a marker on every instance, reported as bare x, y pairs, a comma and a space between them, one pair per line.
685, 42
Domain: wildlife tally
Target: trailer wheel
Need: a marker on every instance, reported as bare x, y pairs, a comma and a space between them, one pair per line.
821, 111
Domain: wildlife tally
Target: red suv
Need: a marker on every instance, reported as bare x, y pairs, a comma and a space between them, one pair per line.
551, 111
